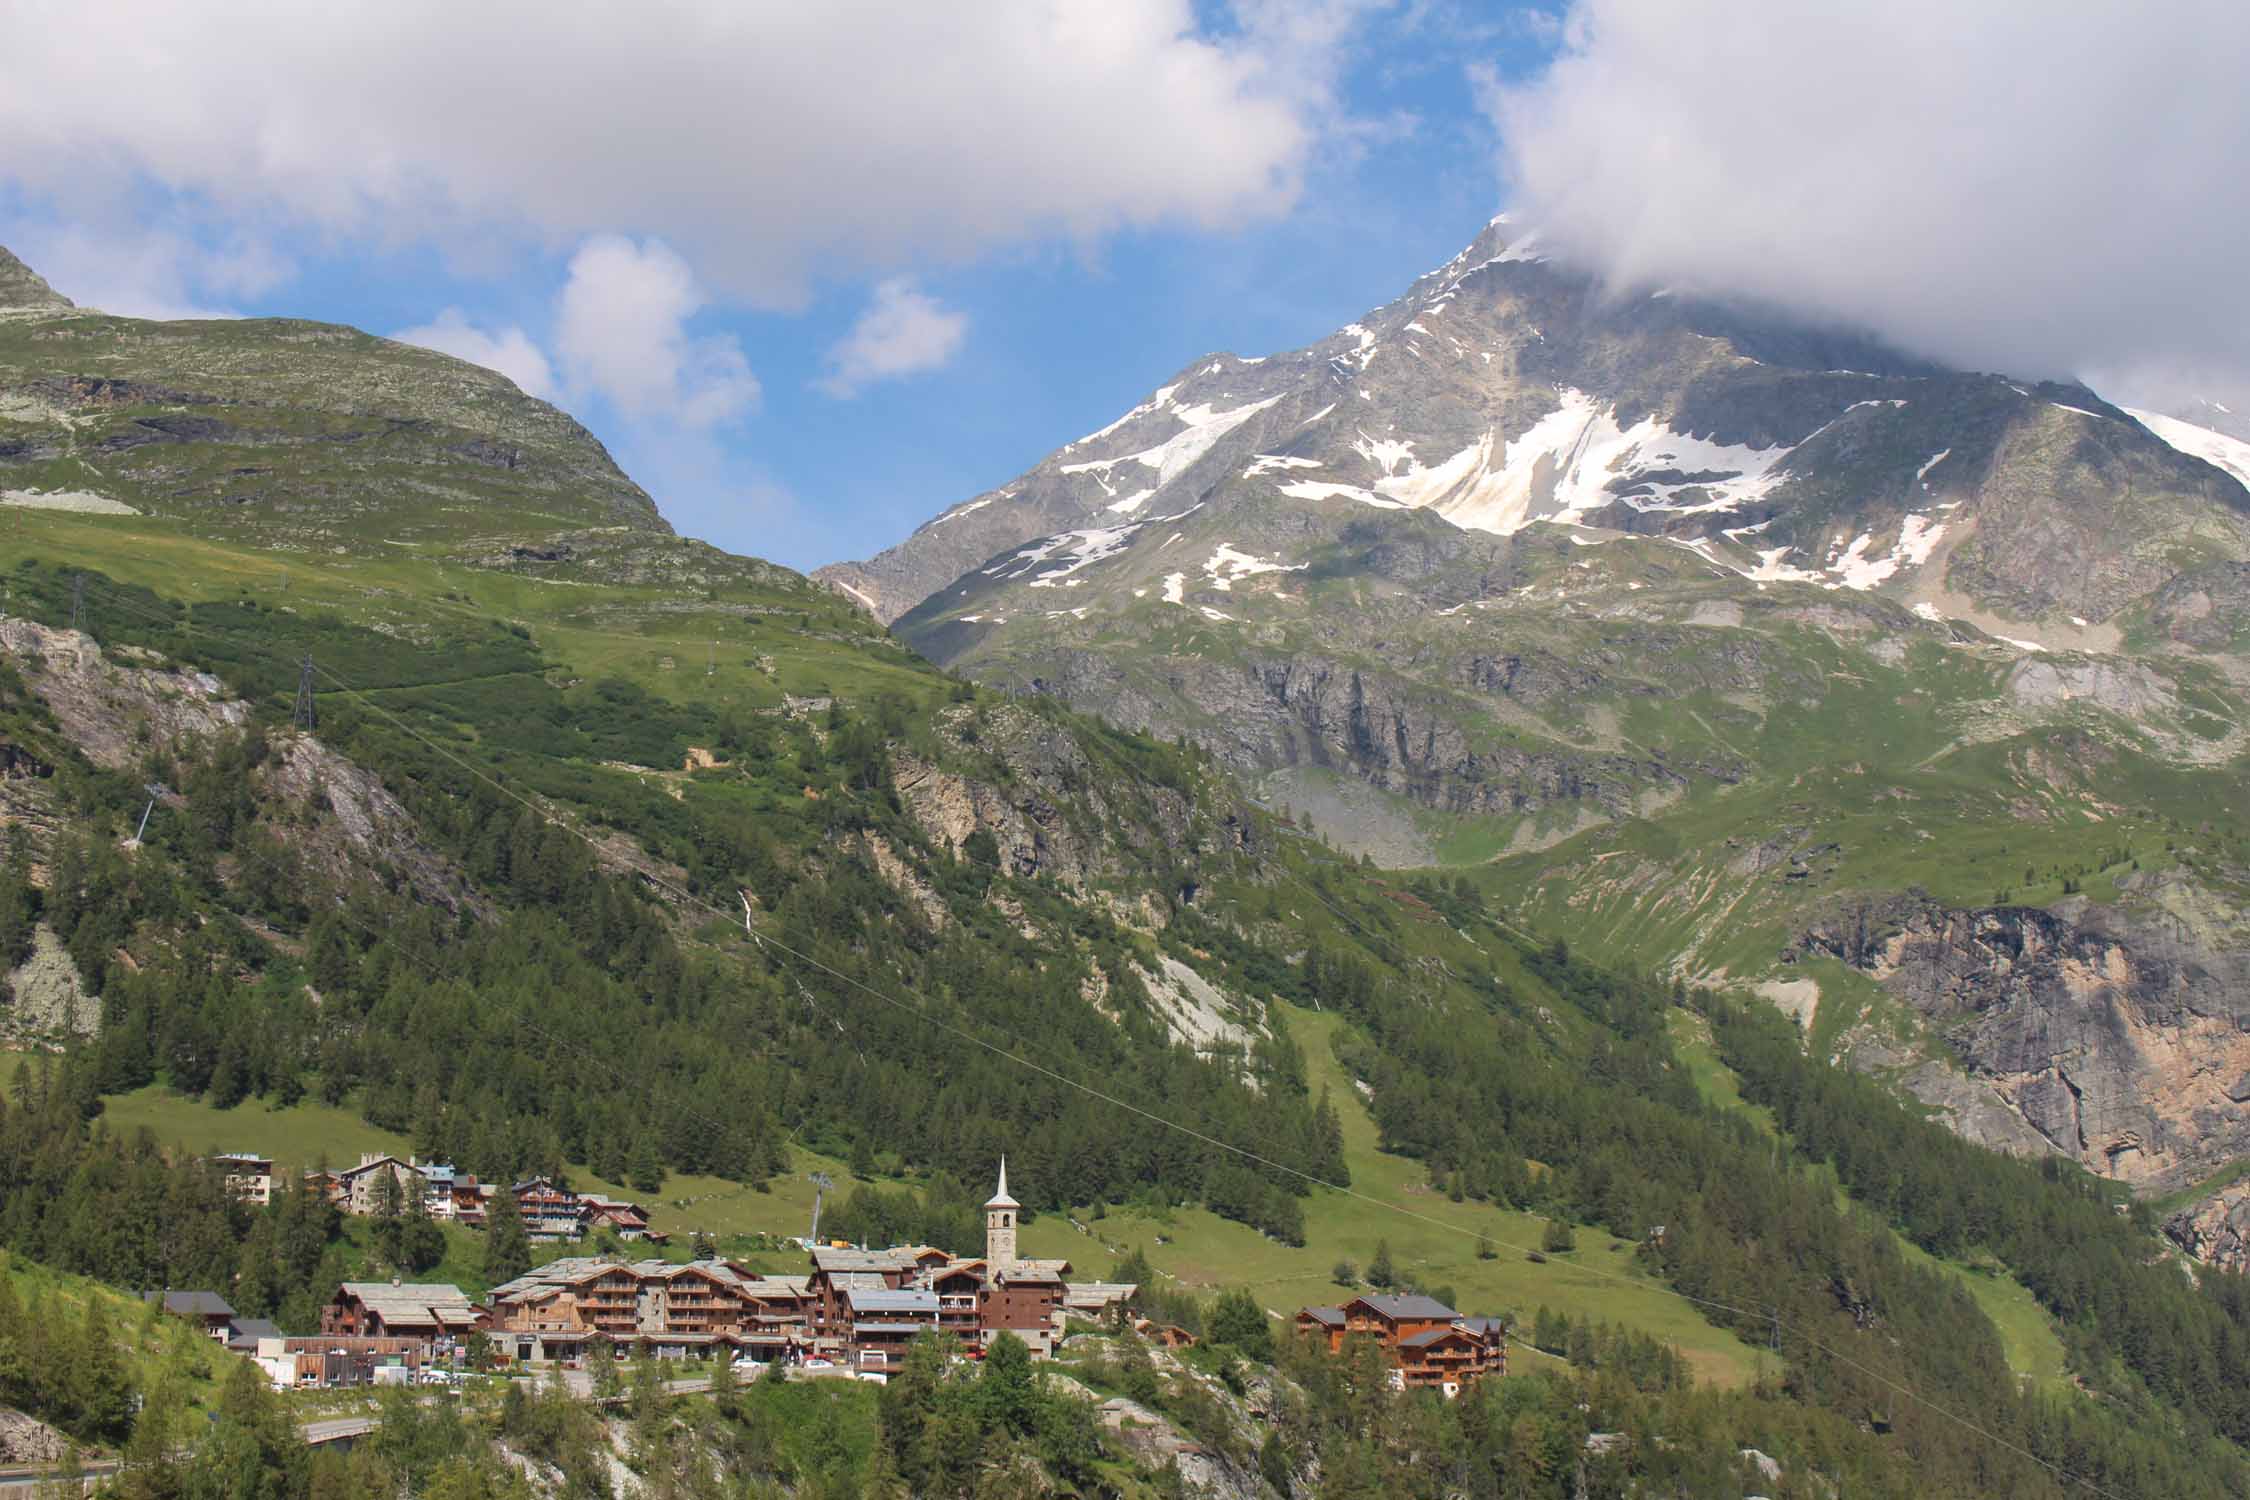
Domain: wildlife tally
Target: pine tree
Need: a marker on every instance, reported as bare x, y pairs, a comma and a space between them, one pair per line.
507, 1248
1237, 1319
647, 1169
421, 1243
1380, 1274
388, 1202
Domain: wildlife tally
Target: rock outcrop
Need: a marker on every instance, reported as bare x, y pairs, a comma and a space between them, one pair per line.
116, 707
2120, 1036
2216, 1230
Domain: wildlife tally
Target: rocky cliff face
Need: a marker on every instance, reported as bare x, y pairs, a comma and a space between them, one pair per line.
2216, 1231
2120, 1037
1052, 809
334, 813
1289, 713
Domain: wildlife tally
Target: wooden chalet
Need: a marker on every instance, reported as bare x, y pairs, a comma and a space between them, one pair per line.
1431, 1347
435, 1314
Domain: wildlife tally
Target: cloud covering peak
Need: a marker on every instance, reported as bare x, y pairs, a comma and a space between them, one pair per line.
2005, 184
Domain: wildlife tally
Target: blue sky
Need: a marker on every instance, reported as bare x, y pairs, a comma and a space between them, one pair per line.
1367, 159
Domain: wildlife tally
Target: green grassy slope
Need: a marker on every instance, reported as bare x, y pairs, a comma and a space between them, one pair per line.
1433, 1241
2027, 1332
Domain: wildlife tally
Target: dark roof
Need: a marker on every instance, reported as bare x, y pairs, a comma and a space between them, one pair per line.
1407, 1305
1024, 1273
1323, 1314
1485, 1325
191, 1304
246, 1332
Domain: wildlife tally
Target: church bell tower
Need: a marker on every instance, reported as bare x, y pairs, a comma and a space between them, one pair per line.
1000, 1225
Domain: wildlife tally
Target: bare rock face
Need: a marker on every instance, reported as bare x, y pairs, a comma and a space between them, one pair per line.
47, 999
1047, 807
24, 1440
2217, 1230
115, 710
2117, 1037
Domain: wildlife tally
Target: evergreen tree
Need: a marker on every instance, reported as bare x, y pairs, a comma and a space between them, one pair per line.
646, 1170
507, 1247
421, 1242
1237, 1320
389, 1201
1380, 1274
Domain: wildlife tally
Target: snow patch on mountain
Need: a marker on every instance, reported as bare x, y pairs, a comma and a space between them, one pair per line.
1272, 463
1071, 551
2215, 448
1175, 588
1132, 502
1204, 426
1227, 565
1321, 489
1573, 460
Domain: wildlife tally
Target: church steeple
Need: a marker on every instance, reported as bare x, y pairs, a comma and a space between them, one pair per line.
1000, 1224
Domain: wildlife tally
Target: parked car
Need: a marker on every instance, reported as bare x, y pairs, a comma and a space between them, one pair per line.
872, 1377
817, 1363
748, 1366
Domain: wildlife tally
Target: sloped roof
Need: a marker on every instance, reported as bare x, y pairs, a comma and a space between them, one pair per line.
191, 1304
778, 1286
1405, 1305
555, 1273
830, 1259
1029, 1272
1323, 1315
437, 1303
247, 1331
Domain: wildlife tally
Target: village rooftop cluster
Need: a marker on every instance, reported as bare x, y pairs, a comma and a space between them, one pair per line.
856, 1312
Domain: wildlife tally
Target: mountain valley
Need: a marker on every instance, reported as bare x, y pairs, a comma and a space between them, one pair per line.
1274, 836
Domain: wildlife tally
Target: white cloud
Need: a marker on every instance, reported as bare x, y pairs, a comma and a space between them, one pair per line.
2012, 184
766, 140
509, 350
139, 272
904, 331
621, 332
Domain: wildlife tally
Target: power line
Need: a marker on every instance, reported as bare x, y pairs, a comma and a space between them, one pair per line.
690, 898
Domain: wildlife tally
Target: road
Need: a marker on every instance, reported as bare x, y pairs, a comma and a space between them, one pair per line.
17, 1483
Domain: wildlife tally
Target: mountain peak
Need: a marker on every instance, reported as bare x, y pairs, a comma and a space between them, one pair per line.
20, 286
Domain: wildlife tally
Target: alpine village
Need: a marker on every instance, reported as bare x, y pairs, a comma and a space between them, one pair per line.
1602, 872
